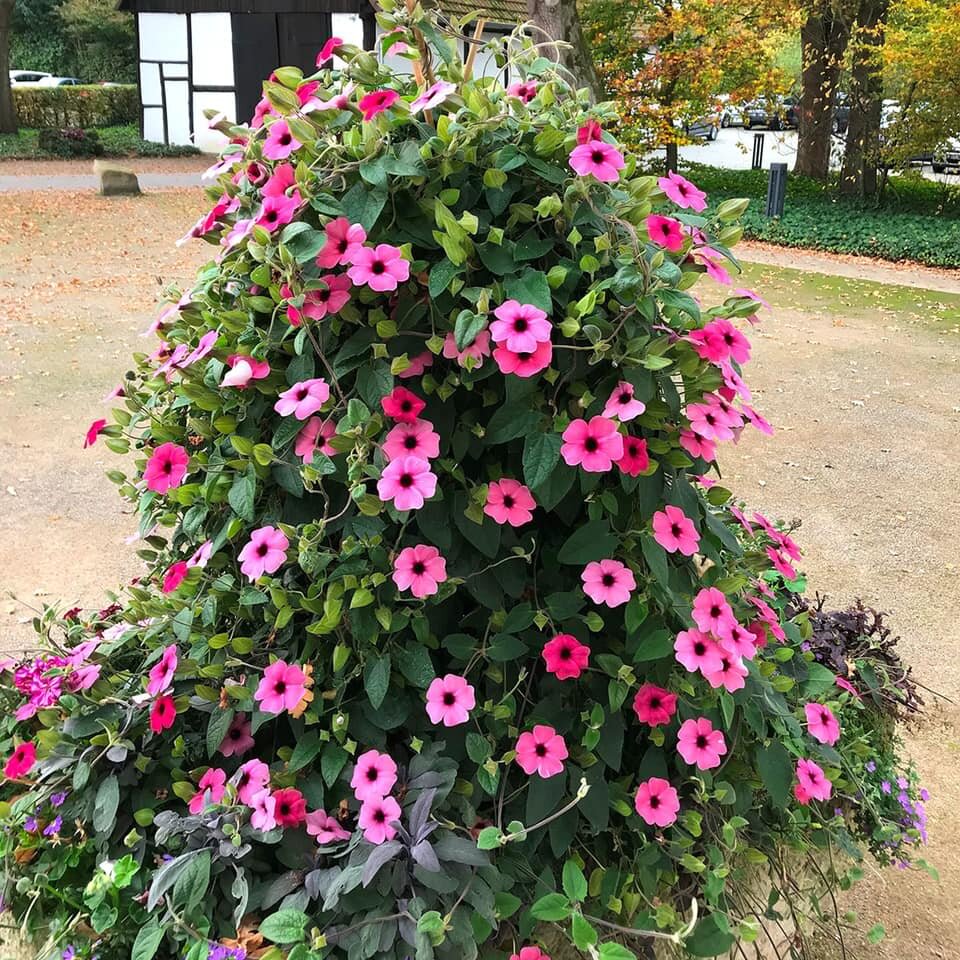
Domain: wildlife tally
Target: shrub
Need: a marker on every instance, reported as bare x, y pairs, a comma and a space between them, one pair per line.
93, 106
422, 473
71, 142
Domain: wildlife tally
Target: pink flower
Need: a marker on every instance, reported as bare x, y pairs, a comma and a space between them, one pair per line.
239, 231
509, 502
281, 688
654, 706
237, 740
21, 761
326, 53
450, 700
210, 790
520, 327
166, 467
313, 438
674, 531
477, 350
175, 575
420, 570
277, 211
281, 180
433, 96
374, 775
635, 459
665, 232
290, 808
711, 612
280, 142
844, 684
698, 446
657, 802
597, 159
821, 723
93, 431
402, 405
252, 778
699, 744
204, 345
720, 340
739, 642
524, 364
376, 817
377, 102
408, 482
682, 192
318, 304
162, 673
541, 751
325, 828
344, 241
163, 712
591, 130
303, 399
712, 420
732, 674
264, 807
413, 438
608, 581
593, 445
525, 91
698, 651
622, 404
781, 563
201, 556
243, 369
565, 656
813, 780
419, 363
381, 267
265, 552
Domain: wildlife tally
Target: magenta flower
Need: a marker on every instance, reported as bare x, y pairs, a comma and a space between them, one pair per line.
711, 612
420, 570
608, 581
509, 501
162, 673
740, 642
408, 482
209, 791
281, 688
654, 706
665, 232
524, 91
821, 723
675, 532
265, 552
237, 740
326, 53
326, 301
325, 828
166, 467
402, 405
565, 656
450, 700
280, 142
374, 775
264, 806
344, 241
303, 398
376, 819
281, 180
813, 781
243, 369
418, 364
163, 713
657, 802
290, 807
377, 102
381, 267
21, 761
698, 651
732, 675
524, 364
205, 344
433, 96
541, 751
314, 438
698, 446
201, 556
593, 445
635, 459
93, 431
597, 159
520, 327
699, 744
682, 192
277, 211
591, 130
622, 405
252, 778
720, 340
475, 353
781, 564
174, 576
413, 438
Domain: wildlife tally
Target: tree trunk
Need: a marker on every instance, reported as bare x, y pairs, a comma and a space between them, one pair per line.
862, 156
673, 157
559, 20
8, 116
823, 39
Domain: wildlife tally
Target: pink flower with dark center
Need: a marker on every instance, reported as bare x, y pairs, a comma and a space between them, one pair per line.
339, 101
541, 751
622, 405
408, 482
433, 96
675, 532
524, 91
665, 232
281, 180
657, 802
264, 808
698, 446
711, 612
698, 651
450, 700
166, 467
381, 267
420, 570
524, 364
314, 438
682, 192
597, 159
326, 53
635, 459
162, 673
324, 302
210, 790
252, 778
244, 369
844, 684
374, 775
509, 501
290, 808
344, 241
565, 656
699, 744
591, 130
303, 399
265, 552
174, 576
414, 438
376, 819
261, 110
739, 642
654, 706
325, 828
732, 674
280, 142
421, 362
163, 713
710, 420
93, 431
520, 327
201, 556
595, 445
277, 212
813, 780
821, 723
720, 340
781, 564
237, 740
789, 546
402, 405
203, 347
281, 688
377, 102
21, 761
608, 581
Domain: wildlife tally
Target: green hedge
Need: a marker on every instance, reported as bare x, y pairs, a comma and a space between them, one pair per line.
85, 106
122, 141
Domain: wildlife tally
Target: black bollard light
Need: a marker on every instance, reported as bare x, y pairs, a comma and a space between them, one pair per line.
757, 163
776, 190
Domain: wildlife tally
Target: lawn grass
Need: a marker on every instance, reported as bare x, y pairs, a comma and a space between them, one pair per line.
123, 141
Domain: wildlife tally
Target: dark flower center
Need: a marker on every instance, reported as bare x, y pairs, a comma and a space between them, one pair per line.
624, 397
675, 529
410, 441
378, 266
280, 687
262, 550
520, 324
699, 648
608, 580
540, 750
372, 774
714, 611
591, 445
508, 501
405, 405
406, 480
654, 802
271, 216
303, 393
236, 733
342, 245
168, 466
284, 808
597, 156
284, 139
449, 698
565, 653
380, 816
419, 568
654, 703
701, 742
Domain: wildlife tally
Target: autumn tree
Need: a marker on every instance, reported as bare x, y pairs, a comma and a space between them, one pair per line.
8, 116
559, 21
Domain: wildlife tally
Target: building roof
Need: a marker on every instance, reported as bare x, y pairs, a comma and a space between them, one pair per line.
498, 11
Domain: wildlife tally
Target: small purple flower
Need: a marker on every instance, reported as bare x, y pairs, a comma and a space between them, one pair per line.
30, 824
69, 952
871, 767
924, 794
58, 799
885, 787
53, 828
805, 647
903, 783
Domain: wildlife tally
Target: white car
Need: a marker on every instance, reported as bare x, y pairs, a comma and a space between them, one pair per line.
22, 77
49, 81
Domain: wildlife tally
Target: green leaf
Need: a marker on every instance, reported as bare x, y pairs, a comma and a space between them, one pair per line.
574, 882
362, 204
217, 727
467, 327
488, 838
656, 559
541, 453
708, 939
593, 541
554, 906
531, 287
306, 750
285, 926
105, 805
149, 938
508, 423
332, 762
376, 680
416, 666
374, 381
191, 886
611, 950
242, 493
776, 771
306, 244
441, 276
584, 936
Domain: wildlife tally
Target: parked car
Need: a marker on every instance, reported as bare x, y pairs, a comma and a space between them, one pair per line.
49, 81
841, 115
730, 114
21, 77
774, 113
947, 156
706, 128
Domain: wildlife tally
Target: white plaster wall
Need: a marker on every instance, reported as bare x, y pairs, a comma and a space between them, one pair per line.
178, 111
211, 141
163, 36
212, 40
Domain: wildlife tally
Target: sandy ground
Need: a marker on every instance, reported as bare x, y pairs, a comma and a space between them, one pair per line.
859, 378
24, 168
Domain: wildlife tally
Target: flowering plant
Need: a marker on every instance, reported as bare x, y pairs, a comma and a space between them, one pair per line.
449, 631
